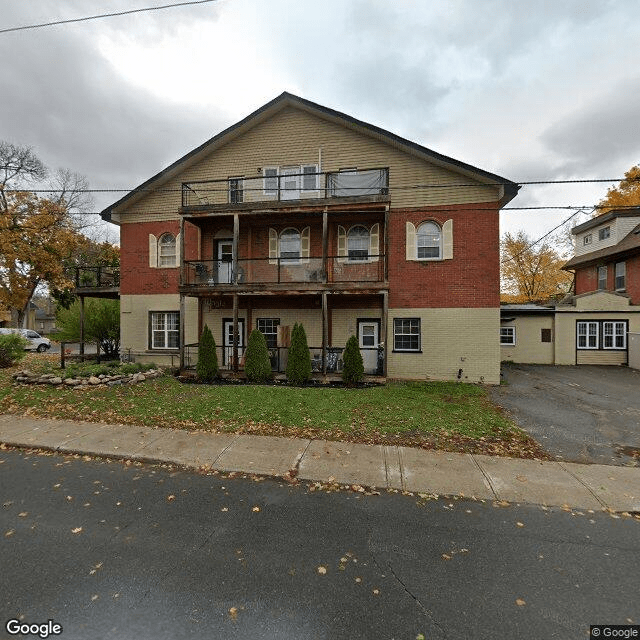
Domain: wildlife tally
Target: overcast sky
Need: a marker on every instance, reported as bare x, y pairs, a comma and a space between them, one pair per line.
542, 90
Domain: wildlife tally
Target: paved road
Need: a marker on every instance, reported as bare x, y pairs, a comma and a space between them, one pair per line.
579, 414
115, 551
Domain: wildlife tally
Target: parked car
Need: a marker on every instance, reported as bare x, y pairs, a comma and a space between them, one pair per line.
35, 342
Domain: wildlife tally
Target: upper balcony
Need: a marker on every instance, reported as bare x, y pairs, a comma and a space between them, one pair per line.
286, 187
97, 281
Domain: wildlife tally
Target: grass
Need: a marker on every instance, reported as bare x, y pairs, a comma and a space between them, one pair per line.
444, 415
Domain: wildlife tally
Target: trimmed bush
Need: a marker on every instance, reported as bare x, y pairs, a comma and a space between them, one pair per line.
11, 349
353, 367
207, 367
299, 359
257, 365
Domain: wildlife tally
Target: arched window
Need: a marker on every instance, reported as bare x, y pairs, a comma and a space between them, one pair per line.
358, 244
290, 245
429, 241
167, 250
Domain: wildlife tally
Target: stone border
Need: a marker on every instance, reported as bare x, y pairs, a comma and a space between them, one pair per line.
26, 377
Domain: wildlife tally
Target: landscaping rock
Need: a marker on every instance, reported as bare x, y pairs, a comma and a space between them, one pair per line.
93, 380
55, 381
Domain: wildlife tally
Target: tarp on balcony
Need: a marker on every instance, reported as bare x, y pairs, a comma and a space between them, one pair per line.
357, 183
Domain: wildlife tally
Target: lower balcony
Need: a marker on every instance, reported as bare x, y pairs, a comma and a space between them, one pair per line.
277, 274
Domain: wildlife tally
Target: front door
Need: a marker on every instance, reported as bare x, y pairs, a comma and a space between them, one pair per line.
290, 183
368, 338
224, 263
227, 351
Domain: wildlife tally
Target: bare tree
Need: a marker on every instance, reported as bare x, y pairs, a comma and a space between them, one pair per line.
18, 165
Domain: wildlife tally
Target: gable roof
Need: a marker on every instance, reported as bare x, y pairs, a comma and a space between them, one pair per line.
628, 245
510, 189
606, 217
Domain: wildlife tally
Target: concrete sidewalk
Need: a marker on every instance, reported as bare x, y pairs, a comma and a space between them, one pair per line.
384, 467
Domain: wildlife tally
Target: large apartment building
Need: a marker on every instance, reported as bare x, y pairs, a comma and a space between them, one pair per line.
299, 213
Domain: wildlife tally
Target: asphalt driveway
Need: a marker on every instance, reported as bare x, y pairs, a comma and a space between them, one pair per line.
578, 414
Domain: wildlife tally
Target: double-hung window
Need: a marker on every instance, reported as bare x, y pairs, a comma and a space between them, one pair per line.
165, 330
270, 175
602, 278
406, 334
604, 233
268, 327
429, 241
587, 333
614, 335
236, 190
358, 244
621, 272
507, 335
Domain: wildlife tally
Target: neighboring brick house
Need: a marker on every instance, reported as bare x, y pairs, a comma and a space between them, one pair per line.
299, 213
599, 323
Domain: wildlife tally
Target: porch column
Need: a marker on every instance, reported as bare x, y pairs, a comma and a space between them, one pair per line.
325, 245
383, 329
182, 326
81, 328
234, 351
181, 251
386, 243
234, 251
325, 332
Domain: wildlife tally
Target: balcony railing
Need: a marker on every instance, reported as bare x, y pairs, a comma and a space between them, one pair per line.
286, 187
97, 277
278, 271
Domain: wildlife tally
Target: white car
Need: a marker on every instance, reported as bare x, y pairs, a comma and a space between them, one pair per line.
35, 341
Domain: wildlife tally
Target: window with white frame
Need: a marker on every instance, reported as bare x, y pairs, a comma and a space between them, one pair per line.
358, 244
310, 177
602, 278
406, 334
429, 241
268, 327
587, 335
167, 250
621, 272
236, 190
587, 239
604, 233
165, 330
507, 335
290, 246
614, 335
270, 179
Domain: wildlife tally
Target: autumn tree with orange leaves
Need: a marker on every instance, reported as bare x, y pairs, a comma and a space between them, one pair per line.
38, 235
531, 273
626, 194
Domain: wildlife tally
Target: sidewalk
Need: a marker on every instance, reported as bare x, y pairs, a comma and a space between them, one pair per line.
384, 467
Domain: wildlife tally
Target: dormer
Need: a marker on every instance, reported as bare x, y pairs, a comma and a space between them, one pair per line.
604, 231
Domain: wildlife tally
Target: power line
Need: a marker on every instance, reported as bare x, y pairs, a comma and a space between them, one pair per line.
105, 15
541, 238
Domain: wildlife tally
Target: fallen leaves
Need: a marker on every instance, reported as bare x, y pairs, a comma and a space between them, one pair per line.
171, 498
233, 613
76, 530
255, 509
321, 570
520, 602
9, 533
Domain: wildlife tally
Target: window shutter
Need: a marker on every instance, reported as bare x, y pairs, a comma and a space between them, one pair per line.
447, 240
342, 244
178, 247
411, 240
374, 243
273, 246
153, 250
305, 244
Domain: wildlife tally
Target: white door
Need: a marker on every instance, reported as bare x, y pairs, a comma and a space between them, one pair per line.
290, 183
368, 337
224, 264
227, 352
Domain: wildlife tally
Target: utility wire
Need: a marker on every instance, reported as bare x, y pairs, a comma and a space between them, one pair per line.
260, 187
105, 15
541, 238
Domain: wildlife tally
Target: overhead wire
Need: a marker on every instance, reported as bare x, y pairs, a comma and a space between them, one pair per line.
104, 15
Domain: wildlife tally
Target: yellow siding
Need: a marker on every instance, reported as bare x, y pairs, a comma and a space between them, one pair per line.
345, 323
295, 137
134, 324
602, 356
529, 347
452, 339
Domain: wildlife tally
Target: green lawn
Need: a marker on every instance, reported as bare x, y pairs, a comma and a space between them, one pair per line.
445, 415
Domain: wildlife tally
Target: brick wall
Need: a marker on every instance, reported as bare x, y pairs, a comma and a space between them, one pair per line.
587, 279
471, 279
136, 275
